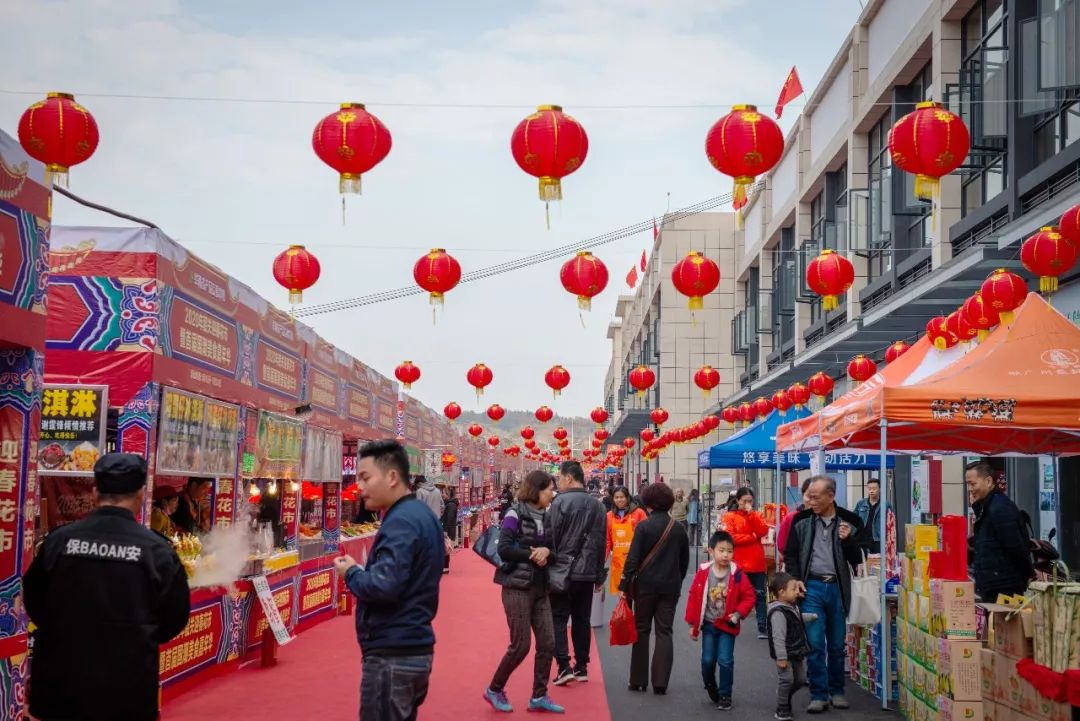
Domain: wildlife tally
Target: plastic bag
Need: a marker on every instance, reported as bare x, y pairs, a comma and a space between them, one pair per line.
865, 601
623, 626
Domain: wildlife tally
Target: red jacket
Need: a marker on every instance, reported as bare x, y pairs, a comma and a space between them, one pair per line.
747, 528
740, 598
785, 528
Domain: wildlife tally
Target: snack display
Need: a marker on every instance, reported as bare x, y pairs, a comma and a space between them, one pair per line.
189, 549
352, 530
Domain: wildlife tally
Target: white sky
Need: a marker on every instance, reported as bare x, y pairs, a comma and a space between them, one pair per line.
237, 182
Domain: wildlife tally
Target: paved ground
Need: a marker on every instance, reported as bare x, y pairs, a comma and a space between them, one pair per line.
755, 684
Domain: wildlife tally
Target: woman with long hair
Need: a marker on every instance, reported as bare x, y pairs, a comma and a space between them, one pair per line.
525, 547
621, 522
747, 528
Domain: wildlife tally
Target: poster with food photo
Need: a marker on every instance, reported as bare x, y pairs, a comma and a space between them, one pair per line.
73, 421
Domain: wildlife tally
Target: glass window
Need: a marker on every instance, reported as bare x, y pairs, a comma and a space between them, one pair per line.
984, 100
880, 215
1059, 44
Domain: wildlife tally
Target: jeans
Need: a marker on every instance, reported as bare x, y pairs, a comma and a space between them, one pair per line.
393, 687
692, 531
528, 613
574, 608
826, 636
717, 649
653, 611
759, 581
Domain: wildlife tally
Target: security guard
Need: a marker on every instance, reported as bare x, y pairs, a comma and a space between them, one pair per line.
103, 593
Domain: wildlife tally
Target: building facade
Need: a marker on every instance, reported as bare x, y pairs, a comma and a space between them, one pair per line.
1010, 70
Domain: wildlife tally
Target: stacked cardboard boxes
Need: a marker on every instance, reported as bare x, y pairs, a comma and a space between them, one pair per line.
864, 651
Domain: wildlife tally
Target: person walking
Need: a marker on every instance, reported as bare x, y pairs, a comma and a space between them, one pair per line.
693, 517
788, 645
1002, 548
867, 510
680, 510
721, 596
820, 553
427, 492
621, 522
578, 533
747, 528
397, 593
449, 521
104, 593
652, 580
525, 548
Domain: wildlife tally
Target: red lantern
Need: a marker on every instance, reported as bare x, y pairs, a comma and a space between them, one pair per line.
452, 411
659, 416
557, 378
496, 412
530, 444
1070, 225
448, 460
744, 144
695, 276
1004, 291
352, 141
479, 376
596, 443
585, 276
1048, 254
747, 413
762, 406
642, 379
544, 414
599, 415
58, 132
407, 373
559, 434
830, 275
493, 441
781, 401
711, 422
601, 434
731, 415
937, 330
980, 315
647, 435
957, 324
628, 443
896, 350
437, 273
527, 433
706, 379
930, 142
799, 394
475, 430
296, 270
820, 384
549, 145
861, 369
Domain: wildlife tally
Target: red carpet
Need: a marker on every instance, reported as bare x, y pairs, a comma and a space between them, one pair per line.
318, 674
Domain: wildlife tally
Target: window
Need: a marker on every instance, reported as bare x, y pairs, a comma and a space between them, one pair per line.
752, 288
984, 100
1059, 44
817, 236
784, 273
879, 174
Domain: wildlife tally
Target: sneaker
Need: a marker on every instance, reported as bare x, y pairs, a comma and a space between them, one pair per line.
714, 693
783, 713
564, 677
839, 702
544, 704
817, 705
581, 674
724, 704
762, 635
498, 700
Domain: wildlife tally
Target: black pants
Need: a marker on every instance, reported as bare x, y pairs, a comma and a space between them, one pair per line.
528, 614
393, 687
653, 611
573, 607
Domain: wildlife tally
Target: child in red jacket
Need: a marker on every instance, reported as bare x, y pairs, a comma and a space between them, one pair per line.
721, 596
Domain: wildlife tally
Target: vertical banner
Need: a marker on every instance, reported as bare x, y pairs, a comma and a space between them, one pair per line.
270, 610
1047, 500
920, 488
331, 519
399, 421
290, 503
224, 502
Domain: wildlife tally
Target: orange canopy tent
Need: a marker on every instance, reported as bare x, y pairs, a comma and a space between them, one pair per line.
1017, 392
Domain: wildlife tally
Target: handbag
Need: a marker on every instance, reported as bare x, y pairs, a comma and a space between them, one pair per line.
622, 626
487, 546
631, 586
865, 608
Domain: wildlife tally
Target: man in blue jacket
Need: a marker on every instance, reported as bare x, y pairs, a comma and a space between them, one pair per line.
398, 592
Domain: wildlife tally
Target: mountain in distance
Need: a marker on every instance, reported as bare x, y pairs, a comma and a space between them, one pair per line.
579, 429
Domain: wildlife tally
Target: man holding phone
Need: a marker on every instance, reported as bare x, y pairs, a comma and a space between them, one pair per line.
398, 593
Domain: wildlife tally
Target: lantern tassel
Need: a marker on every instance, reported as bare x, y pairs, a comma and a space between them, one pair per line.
1007, 317
581, 317
349, 183
830, 302
982, 334
296, 296
343, 210
1048, 284
940, 343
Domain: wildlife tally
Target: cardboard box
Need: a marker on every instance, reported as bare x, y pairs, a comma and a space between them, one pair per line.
924, 613
920, 540
1012, 631
990, 711
1006, 682
1066, 637
986, 667
1037, 706
952, 609
953, 710
959, 670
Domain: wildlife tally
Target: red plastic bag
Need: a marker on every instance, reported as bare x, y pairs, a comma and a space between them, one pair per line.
623, 627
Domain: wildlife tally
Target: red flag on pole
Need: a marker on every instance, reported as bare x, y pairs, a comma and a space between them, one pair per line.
655, 230
631, 277
791, 90
643, 260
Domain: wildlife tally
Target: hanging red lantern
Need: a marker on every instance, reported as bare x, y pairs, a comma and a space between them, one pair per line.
701, 428
659, 416
559, 434
407, 373
496, 412
744, 144
747, 414
352, 141
1005, 292
930, 142
957, 324
549, 145
557, 378
296, 270
830, 275
596, 443
448, 460
762, 406
527, 433
896, 350
861, 369
437, 273
820, 384
937, 330
58, 132
980, 315
642, 379
712, 422
1070, 225
731, 415
781, 401
530, 444
601, 434
695, 276
706, 379
585, 276
647, 435
599, 415
475, 430
479, 377
493, 441
799, 394
452, 411
628, 443
544, 414
1049, 255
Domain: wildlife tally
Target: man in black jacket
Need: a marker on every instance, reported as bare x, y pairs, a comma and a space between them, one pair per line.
821, 549
104, 592
1002, 557
579, 537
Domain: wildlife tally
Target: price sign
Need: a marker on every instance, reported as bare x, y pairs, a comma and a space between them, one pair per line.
72, 428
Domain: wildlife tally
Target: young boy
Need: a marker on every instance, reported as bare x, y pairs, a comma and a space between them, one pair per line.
720, 598
787, 641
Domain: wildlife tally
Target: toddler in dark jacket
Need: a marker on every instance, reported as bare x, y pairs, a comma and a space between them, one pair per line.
788, 644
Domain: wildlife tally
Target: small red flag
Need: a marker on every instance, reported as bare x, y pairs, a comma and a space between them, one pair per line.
791, 90
655, 230
643, 261
631, 277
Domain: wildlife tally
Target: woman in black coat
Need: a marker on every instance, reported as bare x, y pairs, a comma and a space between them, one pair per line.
654, 585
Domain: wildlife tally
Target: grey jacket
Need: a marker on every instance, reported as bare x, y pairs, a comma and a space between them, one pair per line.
432, 496
578, 519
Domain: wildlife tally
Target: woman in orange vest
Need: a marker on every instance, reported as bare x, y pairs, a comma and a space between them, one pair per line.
621, 520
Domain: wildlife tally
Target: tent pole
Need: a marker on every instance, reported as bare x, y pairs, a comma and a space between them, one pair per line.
885, 662
778, 488
1057, 501
697, 546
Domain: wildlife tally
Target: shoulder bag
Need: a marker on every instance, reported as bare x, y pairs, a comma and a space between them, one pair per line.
631, 588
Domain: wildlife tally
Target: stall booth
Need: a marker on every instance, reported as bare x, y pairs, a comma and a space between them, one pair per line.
25, 203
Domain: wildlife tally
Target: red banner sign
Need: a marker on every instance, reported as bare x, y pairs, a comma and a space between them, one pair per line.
196, 646
224, 500
386, 416
316, 592
278, 370
322, 390
359, 405
289, 515
201, 336
12, 431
